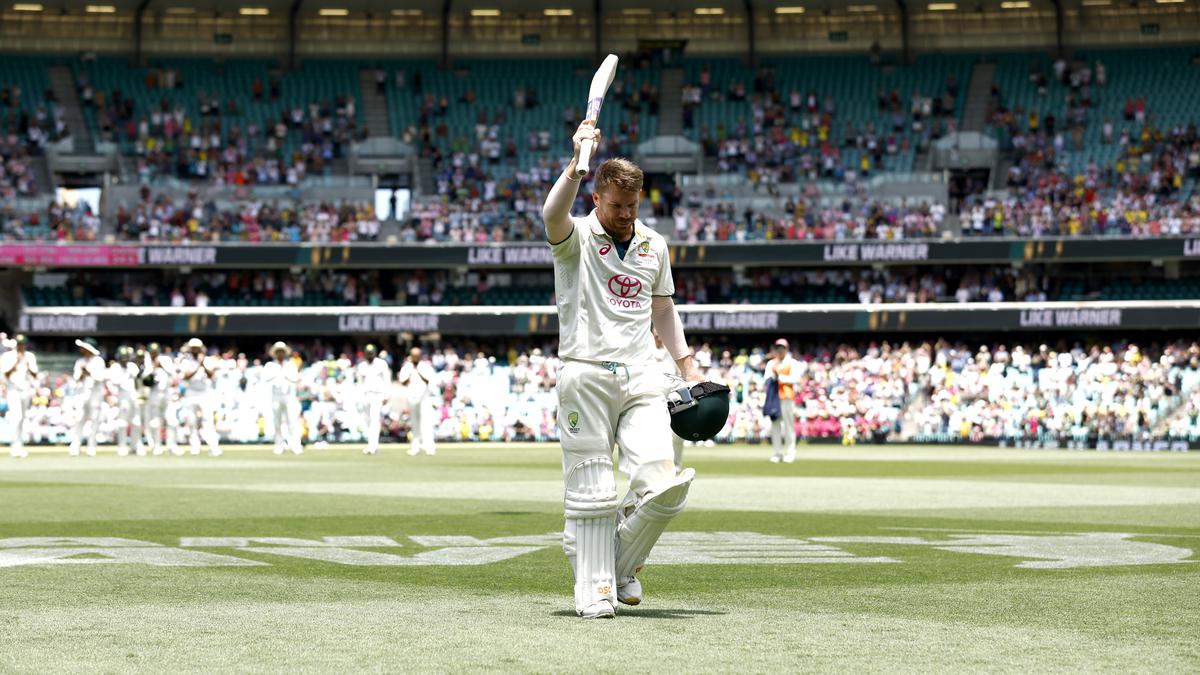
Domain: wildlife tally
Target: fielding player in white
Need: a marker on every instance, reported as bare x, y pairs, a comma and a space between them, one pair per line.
89, 382
18, 366
158, 411
612, 282
123, 381
282, 376
374, 377
197, 372
667, 364
786, 371
418, 376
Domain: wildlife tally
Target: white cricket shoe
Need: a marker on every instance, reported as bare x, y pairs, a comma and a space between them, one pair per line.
601, 609
18, 454
141, 451
122, 452
298, 451
789, 458
370, 451
278, 450
74, 451
431, 453
91, 452
177, 451
158, 451
775, 459
413, 452
215, 452
629, 591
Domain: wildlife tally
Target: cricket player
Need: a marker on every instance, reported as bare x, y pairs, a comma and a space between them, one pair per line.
89, 395
374, 377
122, 379
786, 371
613, 281
197, 372
18, 366
158, 410
283, 378
667, 364
417, 375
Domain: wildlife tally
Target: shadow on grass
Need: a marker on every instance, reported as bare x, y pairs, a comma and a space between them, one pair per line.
652, 613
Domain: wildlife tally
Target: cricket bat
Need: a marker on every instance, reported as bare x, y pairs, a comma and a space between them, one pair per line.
600, 83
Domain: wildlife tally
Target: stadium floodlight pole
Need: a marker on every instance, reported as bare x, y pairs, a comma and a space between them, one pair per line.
1059, 52
293, 21
597, 48
751, 48
137, 33
905, 49
445, 34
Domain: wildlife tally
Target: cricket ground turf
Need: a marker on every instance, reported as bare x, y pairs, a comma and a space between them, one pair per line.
851, 559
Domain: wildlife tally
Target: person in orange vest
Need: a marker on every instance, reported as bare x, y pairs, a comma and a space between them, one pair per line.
786, 371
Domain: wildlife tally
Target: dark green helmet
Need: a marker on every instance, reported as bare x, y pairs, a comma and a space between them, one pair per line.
699, 411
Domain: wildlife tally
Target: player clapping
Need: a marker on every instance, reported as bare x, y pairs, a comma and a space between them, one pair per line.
89, 375
19, 369
374, 377
197, 372
417, 375
282, 377
122, 378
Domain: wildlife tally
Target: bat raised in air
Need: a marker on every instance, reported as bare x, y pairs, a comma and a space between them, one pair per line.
600, 83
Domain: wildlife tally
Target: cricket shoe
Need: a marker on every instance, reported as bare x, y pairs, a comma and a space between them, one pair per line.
18, 454
775, 459
141, 451
278, 450
298, 451
789, 458
601, 609
629, 591
91, 452
370, 451
215, 452
177, 451
74, 451
122, 452
413, 452
158, 452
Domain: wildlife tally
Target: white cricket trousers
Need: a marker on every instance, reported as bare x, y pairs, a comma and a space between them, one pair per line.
783, 429
421, 420
90, 406
625, 405
129, 419
18, 410
285, 419
198, 411
371, 409
157, 415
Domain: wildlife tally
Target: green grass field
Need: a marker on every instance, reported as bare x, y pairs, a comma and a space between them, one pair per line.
858, 559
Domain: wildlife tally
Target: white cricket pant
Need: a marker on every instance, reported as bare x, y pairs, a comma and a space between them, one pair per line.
783, 429
677, 443
198, 412
89, 414
18, 410
371, 409
421, 418
626, 405
128, 418
285, 419
157, 415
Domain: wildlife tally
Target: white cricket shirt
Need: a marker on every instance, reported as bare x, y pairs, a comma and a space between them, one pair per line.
198, 383
123, 378
281, 378
604, 301
374, 377
20, 379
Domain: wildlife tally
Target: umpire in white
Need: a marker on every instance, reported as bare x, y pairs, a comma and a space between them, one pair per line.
612, 282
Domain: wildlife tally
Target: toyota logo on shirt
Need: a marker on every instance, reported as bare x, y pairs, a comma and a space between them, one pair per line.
626, 290
624, 286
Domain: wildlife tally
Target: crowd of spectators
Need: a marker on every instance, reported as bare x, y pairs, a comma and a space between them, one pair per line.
218, 142
874, 391
157, 218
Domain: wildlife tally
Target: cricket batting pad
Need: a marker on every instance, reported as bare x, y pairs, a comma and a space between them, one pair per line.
639, 532
589, 535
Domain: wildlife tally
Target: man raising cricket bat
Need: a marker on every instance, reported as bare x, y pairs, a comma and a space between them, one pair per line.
612, 282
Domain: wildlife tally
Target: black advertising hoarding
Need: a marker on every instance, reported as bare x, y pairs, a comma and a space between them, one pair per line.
778, 253
709, 320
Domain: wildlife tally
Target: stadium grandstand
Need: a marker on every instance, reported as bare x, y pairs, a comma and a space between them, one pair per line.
978, 221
